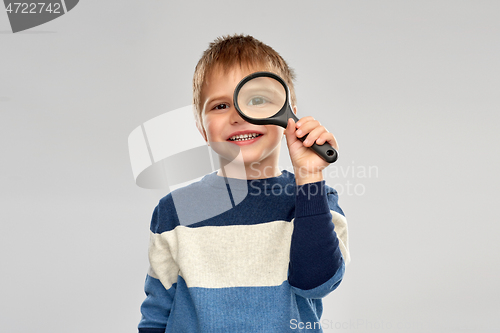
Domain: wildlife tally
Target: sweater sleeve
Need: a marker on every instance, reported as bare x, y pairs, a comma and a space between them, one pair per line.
316, 263
155, 309
340, 222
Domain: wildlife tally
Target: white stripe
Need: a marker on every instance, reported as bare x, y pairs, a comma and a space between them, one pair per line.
220, 257
162, 265
340, 223
229, 256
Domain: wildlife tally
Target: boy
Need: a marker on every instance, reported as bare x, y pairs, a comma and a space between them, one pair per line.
263, 264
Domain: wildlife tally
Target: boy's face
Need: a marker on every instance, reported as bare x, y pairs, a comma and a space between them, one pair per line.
221, 121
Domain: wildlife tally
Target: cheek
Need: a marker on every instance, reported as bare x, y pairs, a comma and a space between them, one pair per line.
210, 127
275, 131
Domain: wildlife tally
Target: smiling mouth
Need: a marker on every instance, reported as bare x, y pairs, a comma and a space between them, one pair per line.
245, 139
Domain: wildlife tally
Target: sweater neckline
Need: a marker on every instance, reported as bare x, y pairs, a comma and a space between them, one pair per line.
221, 182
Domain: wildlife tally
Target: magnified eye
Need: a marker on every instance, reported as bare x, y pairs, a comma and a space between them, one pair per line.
260, 97
258, 100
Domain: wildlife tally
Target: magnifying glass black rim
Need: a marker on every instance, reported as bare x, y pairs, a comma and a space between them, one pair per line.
274, 119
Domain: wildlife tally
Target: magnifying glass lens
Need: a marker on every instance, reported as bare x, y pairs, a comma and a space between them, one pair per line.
261, 97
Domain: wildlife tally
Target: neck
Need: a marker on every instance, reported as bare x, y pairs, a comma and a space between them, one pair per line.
255, 170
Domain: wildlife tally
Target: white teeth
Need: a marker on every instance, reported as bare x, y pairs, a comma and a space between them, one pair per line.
243, 137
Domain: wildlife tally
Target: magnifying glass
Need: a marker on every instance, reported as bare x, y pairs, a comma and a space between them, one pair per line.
263, 98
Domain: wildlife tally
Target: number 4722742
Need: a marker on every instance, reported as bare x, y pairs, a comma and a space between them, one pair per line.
33, 8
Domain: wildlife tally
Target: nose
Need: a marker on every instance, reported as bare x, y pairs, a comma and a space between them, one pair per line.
234, 116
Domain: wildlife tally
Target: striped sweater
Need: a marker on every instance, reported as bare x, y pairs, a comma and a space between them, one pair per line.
234, 255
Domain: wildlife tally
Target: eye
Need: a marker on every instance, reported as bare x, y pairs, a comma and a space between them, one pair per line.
257, 100
220, 106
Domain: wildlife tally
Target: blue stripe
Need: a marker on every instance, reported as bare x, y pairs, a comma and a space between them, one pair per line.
235, 310
156, 307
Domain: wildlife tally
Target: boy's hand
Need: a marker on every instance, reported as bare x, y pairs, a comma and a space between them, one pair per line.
308, 166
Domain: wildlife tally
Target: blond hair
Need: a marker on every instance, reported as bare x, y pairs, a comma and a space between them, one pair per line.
228, 51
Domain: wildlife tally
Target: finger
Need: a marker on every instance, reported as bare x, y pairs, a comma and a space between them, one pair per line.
323, 138
313, 135
303, 120
307, 127
328, 137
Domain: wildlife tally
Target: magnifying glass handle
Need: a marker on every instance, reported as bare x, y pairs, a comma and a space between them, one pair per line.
325, 151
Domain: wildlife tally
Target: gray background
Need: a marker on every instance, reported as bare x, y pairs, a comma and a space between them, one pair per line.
408, 87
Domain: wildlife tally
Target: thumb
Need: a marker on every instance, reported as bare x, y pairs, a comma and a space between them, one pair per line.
291, 137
